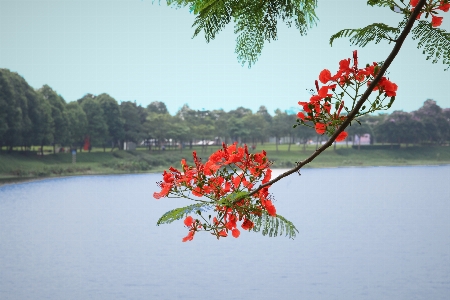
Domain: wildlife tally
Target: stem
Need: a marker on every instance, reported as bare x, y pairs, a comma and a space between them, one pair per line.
355, 110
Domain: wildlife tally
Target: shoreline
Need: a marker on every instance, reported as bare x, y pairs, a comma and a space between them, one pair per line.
275, 172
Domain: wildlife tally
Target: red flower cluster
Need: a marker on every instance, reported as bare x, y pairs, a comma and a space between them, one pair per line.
225, 179
432, 8
318, 109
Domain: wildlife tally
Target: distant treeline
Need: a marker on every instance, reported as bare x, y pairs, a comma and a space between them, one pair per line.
42, 117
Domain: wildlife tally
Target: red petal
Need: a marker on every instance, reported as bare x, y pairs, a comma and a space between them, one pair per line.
325, 76
341, 136
188, 221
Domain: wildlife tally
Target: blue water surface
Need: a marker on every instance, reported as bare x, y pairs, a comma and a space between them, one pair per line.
364, 233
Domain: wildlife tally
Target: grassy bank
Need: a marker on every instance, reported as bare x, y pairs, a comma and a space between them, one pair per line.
17, 166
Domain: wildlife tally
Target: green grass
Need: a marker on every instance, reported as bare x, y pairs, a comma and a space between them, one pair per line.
27, 165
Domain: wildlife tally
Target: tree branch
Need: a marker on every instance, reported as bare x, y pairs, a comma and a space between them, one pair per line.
359, 104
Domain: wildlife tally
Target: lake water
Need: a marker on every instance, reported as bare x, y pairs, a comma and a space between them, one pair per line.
365, 233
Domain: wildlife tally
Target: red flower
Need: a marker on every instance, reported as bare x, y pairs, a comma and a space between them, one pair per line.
189, 237
341, 136
267, 176
235, 232
247, 224
436, 21
414, 3
231, 222
327, 107
344, 65
320, 128
167, 177
197, 192
188, 221
211, 167
164, 192
305, 106
271, 210
444, 7
301, 115
325, 76
223, 233
388, 87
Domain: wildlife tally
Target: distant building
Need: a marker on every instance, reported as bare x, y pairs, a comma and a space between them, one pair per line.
365, 139
129, 146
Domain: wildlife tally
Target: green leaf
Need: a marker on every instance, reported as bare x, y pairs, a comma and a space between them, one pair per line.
381, 3
254, 21
231, 198
434, 41
274, 226
374, 32
179, 213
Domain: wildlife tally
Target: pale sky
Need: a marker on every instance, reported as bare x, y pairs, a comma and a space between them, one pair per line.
136, 50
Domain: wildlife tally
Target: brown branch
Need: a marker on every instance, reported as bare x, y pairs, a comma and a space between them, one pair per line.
358, 105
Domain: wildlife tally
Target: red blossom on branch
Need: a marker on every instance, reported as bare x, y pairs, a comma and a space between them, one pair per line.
432, 7
349, 77
229, 171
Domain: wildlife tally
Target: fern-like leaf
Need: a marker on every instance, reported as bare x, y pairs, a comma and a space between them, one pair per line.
274, 226
255, 21
435, 42
179, 213
374, 32
381, 3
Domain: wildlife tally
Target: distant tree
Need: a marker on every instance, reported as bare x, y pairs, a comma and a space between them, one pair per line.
257, 127
179, 132
437, 126
3, 122
289, 120
399, 127
187, 115
87, 96
240, 112
59, 115
304, 135
279, 127
77, 124
157, 107
27, 119
159, 128
202, 126
12, 124
133, 124
113, 118
220, 117
262, 111
236, 129
41, 117
97, 128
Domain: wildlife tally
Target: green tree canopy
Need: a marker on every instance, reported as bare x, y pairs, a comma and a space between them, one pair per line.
113, 118
133, 123
157, 107
97, 128
59, 114
77, 123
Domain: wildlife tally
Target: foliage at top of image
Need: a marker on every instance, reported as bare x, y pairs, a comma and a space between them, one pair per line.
255, 22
